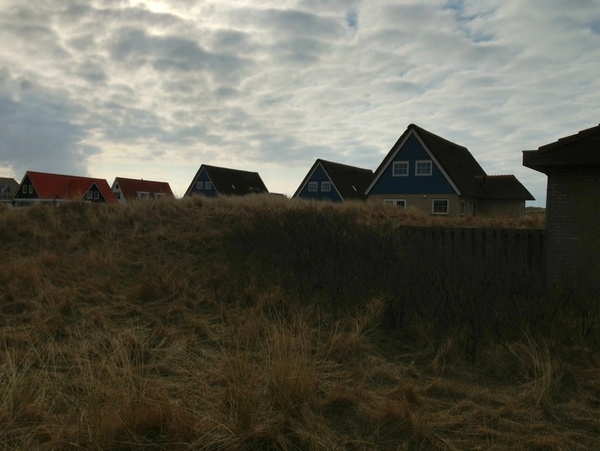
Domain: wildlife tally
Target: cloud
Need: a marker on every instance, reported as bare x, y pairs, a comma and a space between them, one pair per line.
38, 129
118, 84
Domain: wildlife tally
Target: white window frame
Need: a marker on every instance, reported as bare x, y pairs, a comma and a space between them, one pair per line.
199, 186
463, 207
313, 187
159, 195
400, 203
326, 187
208, 185
143, 195
30, 189
433, 207
423, 174
24, 189
96, 195
396, 165
90, 195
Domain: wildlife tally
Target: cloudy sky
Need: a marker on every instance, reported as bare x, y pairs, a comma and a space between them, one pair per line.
154, 89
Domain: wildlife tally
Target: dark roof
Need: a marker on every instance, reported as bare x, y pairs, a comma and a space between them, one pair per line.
502, 187
231, 182
461, 167
581, 149
130, 187
351, 182
8, 188
67, 187
456, 160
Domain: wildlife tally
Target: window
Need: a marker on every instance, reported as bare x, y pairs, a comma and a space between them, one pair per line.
463, 207
313, 186
24, 189
30, 189
401, 203
199, 185
159, 195
118, 195
207, 185
143, 195
90, 195
423, 167
400, 168
96, 195
440, 207
325, 186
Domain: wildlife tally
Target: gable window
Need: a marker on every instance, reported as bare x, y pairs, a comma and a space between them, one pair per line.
313, 186
400, 203
423, 167
325, 186
118, 195
30, 189
439, 207
24, 189
207, 185
400, 168
90, 195
96, 195
199, 185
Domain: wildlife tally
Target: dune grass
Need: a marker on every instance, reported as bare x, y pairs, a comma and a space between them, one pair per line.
190, 324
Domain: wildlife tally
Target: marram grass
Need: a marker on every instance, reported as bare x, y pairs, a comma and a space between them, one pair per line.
157, 326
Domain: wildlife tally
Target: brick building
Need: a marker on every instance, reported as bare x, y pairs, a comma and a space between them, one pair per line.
572, 165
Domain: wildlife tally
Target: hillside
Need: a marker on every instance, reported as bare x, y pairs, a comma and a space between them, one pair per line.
259, 323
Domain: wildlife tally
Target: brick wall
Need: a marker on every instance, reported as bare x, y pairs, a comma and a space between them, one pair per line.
573, 221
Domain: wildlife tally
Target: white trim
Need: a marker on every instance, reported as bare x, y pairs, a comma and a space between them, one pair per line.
208, 185
325, 186
428, 174
391, 155
401, 203
405, 163
433, 212
313, 187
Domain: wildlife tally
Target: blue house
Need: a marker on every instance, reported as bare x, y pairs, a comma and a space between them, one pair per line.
214, 181
334, 182
429, 173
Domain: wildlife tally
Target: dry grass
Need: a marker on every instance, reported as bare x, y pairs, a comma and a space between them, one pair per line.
132, 328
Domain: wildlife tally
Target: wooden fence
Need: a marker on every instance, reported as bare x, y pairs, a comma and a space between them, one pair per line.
511, 245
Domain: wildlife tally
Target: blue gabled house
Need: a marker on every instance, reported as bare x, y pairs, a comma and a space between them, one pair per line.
334, 182
214, 181
429, 173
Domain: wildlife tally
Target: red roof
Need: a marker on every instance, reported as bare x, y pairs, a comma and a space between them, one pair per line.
130, 187
67, 187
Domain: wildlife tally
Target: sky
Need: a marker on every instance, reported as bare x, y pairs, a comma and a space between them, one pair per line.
154, 89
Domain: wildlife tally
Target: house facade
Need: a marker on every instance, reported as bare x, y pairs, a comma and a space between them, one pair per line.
426, 172
130, 190
8, 188
42, 187
334, 182
214, 181
572, 165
